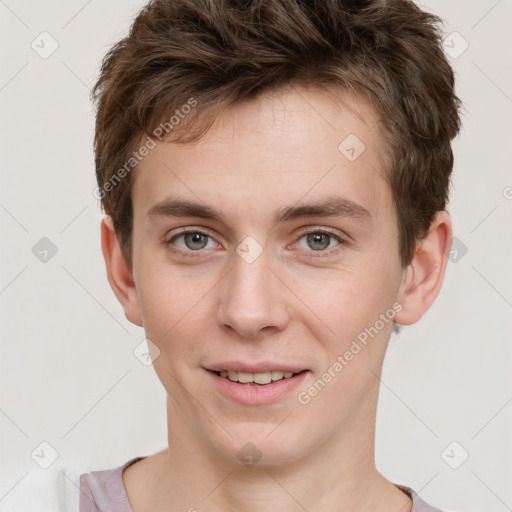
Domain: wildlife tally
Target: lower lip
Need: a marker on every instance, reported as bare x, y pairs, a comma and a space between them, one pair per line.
257, 395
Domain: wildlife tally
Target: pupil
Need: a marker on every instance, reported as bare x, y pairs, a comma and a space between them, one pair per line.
195, 238
316, 239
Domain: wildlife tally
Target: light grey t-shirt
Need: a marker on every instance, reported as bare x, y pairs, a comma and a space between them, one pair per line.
103, 491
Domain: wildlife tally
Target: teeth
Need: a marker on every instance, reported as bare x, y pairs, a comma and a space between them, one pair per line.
257, 378
245, 378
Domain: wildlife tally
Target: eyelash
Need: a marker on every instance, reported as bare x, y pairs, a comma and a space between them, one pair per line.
302, 234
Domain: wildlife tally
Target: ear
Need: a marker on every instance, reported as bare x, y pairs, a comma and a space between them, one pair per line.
119, 274
423, 278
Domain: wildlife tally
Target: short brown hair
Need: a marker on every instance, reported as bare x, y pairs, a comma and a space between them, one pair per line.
223, 52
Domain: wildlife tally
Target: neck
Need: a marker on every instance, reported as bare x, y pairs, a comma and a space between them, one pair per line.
339, 476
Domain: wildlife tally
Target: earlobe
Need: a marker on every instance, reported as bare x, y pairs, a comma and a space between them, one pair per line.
119, 274
423, 278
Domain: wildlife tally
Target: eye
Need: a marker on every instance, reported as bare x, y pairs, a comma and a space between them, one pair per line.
191, 241
320, 241
188, 242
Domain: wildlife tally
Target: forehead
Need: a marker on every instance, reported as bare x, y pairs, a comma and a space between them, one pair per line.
282, 148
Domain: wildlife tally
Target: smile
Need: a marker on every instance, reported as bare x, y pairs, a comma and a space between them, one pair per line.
259, 388
260, 378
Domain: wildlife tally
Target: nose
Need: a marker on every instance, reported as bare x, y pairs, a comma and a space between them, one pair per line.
252, 298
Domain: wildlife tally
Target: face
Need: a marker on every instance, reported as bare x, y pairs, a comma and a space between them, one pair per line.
269, 245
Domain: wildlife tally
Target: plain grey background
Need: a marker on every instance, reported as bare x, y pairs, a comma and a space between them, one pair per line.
68, 374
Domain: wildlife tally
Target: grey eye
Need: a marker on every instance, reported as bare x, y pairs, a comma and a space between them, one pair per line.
195, 241
318, 241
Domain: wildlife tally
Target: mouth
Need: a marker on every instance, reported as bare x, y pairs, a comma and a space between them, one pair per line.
257, 388
256, 379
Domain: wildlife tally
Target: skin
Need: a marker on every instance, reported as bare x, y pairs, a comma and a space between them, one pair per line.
293, 304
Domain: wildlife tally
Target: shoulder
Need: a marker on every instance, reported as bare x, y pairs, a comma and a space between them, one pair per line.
418, 505
104, 490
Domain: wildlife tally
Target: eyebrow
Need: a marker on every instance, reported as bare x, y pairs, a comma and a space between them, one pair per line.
328, 207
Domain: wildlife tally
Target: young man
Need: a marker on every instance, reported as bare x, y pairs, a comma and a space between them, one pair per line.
274, 175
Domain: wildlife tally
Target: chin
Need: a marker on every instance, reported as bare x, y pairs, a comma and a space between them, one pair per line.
263, 445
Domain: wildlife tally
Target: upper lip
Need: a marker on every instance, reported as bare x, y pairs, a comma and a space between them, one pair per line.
263, 366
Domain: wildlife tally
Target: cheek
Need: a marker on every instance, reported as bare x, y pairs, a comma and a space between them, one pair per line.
174, 303
347, 299
355, 344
